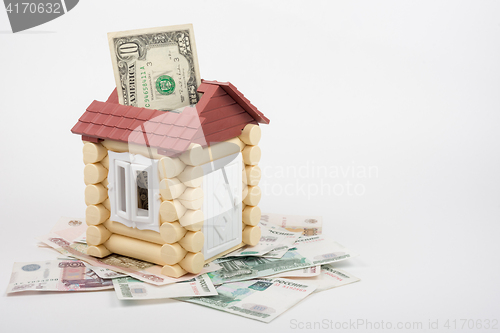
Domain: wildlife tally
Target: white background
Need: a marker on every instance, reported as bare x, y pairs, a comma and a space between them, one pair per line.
410, 88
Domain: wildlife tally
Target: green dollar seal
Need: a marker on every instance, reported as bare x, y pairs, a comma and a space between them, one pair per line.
165, 85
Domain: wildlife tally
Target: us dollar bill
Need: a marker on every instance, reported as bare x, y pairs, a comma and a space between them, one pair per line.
156, 68
307, 252
263, 299
131, 289
55, 275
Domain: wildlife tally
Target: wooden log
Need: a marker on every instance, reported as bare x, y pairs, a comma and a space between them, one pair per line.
96, 214
171, 210
145, 235
174, 271
172, 253
192, 220
243, 205
192, 198
253, 174
191, 176
135, 248
97, 234
106, 203
223, 149
172, 232
193, 262
99, 251
93, 152
95, 194
193, 241
253, 197
251, 235
251, 134
105, 162
244, 192
105, 182
193, 155
251, 155
122, 147
244, 177
251, 215
170, 167
171, 188
94, 173
197, 155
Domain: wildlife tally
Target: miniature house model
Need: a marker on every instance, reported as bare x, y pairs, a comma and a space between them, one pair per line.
174, 189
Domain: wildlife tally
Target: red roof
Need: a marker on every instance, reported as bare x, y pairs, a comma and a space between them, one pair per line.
221, 114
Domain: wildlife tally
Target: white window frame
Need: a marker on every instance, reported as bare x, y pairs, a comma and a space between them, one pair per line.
125, 192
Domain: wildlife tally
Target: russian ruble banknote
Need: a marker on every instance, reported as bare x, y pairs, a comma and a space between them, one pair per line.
329, 277
55, 275
307, 252
104, 272
308, 225
128, 288
156, 68
135, 268
273, 243
299, 273
262, 299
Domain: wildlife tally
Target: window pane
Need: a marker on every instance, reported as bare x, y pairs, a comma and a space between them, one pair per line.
142, 190
122, 190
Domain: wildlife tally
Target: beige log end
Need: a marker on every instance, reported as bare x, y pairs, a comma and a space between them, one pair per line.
171, 188
192, 176
251, 235
192, 220
171, 211
251, 155
135, 248
172, 232
243, 205
97, 235
145, 235
172, 253
105, 161
94, 173
251, 215
194, 155
105, 182
253, 174
96, 214
251, 134
193, 262
93, 152
98, 251
95, 194
174, 271
170, 167
253, 197
193, 241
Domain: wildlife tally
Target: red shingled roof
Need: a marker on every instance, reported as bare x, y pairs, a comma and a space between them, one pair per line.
221, 114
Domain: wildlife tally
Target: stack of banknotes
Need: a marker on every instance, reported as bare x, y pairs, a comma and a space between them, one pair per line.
258, 282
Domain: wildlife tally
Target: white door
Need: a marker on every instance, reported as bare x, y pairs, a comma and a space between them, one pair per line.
222, 205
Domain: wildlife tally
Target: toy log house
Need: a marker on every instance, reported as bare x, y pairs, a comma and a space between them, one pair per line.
174, 189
